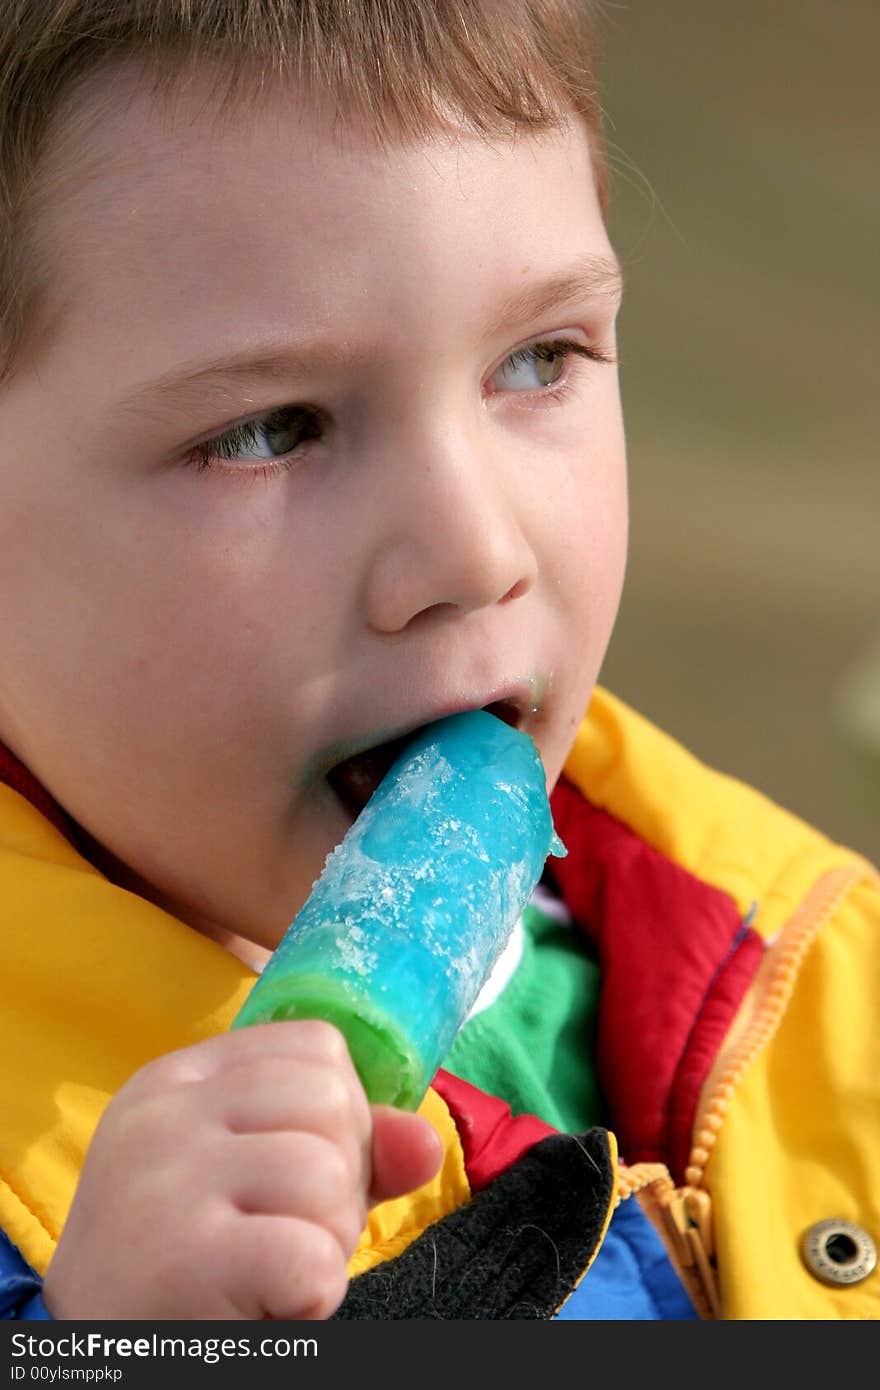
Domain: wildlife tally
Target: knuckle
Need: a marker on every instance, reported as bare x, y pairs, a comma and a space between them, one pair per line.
339, 1208
329, 1042
350, 1230
166, 1080
334, 1173
304, 1275
328, 1272
335, 1099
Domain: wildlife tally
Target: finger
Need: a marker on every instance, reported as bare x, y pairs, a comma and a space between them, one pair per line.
298, 1040
296, 1175
406, 1152
281, 1094
283, 1268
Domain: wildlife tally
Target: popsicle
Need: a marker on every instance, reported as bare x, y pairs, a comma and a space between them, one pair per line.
414, 907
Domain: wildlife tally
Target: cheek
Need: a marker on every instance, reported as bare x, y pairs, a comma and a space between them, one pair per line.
606, 554
591, 549
243, 635
194, 606
587, 559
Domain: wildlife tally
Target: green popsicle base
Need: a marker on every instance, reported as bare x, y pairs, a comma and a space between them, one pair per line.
390, 1069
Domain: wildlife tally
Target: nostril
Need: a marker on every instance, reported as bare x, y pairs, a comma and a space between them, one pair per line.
516, 590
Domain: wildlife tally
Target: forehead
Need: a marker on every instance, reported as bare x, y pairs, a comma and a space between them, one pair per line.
131, 98
118, 129
182, 207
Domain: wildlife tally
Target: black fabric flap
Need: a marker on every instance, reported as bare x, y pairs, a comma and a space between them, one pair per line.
516, 1250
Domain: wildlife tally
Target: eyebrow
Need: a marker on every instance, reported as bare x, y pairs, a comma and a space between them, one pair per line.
227, 375
596, 277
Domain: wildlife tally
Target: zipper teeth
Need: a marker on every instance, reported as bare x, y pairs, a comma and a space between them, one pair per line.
686, 1232
798, 933
631, 1180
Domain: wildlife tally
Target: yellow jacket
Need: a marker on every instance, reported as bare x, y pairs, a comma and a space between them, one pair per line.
97, 982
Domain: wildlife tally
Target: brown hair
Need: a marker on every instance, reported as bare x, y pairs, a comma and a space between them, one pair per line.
400, 64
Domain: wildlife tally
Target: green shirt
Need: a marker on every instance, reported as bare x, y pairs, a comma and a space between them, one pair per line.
534, 1045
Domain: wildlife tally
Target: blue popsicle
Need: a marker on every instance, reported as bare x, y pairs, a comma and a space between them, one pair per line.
414, 907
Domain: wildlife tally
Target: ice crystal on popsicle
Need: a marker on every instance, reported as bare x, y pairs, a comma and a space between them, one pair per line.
414, 907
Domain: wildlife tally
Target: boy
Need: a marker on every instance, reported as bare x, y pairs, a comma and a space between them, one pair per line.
312, 434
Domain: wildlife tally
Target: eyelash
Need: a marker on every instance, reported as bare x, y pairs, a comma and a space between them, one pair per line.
205, 456
554, 347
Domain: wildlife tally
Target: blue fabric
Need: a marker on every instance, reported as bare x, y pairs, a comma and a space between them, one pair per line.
20, 1288
631, 1278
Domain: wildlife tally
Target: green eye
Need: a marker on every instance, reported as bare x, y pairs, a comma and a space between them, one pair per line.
269, 439
549, 365
529, 369
541, 365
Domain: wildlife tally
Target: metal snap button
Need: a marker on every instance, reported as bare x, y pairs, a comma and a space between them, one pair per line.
838, 1252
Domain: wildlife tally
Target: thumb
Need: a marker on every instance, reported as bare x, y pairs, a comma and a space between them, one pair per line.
406, 1152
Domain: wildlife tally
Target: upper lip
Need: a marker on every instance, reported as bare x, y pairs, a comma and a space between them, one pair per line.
516, 704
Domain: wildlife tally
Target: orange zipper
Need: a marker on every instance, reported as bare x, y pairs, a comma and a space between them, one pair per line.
683, 1215
771, 992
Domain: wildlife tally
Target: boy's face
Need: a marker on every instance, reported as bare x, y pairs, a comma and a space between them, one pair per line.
425, 514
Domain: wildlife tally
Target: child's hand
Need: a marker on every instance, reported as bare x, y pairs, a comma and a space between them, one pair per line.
232, 1179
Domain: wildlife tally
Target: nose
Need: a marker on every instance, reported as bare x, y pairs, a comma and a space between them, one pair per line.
451, 534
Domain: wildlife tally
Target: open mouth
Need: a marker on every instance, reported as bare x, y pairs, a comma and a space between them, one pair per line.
355, 779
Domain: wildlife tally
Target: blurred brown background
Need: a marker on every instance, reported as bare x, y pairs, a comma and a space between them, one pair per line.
744, 144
